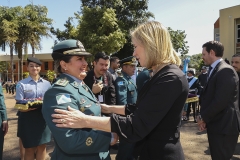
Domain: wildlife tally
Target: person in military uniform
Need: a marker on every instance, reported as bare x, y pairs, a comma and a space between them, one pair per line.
32, 129
126, 93
126, 90
70, 90
194, 90
142, 77
3, 120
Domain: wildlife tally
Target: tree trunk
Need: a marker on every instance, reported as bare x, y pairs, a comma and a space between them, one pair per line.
11, 60
33, 52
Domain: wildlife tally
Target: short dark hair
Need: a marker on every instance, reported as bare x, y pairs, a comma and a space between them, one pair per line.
236, 55
113, 59
216, 46
100, 55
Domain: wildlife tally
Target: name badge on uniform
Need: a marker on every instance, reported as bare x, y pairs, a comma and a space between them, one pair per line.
100, 98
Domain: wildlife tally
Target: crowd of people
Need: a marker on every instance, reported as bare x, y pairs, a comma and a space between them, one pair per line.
87, 112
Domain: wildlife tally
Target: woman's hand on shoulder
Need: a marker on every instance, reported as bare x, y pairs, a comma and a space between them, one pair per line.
105, 108
70, 118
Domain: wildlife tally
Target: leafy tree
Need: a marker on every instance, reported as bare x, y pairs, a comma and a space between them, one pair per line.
128, 13
33, 25
38, 25
178, 40
9, 30
102, 33
70, 32
196, 61
25, 74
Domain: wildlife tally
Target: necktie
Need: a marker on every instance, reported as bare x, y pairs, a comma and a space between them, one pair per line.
209, 71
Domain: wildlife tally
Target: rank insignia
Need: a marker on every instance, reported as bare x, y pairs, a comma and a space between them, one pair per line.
89, 141
62, 82
76, 84
85, 87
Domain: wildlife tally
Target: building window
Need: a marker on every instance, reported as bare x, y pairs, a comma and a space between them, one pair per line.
238, 33
14, 66
46, 65
217, 37
24, 63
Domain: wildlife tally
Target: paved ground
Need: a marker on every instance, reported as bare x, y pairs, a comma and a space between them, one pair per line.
194, 143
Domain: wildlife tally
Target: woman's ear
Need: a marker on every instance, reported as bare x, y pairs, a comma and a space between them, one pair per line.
63, 65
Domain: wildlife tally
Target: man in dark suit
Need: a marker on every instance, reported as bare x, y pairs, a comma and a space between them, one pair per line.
194, 90
101, 81
203, 77
219, 103
236, 65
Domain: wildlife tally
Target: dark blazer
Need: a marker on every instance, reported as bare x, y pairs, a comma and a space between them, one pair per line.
154, 125
108, 91
219, 101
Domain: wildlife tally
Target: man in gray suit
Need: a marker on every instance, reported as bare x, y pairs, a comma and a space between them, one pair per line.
219, 103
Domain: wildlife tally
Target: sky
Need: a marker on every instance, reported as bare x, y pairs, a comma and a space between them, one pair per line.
195, 17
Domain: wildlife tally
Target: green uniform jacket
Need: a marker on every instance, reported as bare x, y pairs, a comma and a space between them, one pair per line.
2, 106
126, 90
75, 144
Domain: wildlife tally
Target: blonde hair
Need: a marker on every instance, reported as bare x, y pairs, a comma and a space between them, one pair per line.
157, 43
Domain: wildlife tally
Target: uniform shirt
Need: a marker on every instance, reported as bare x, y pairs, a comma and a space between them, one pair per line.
3, 113
126, 90
28, 88
113, 73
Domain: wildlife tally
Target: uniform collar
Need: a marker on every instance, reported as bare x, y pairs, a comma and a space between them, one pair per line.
126, 75
74, 78
29, 78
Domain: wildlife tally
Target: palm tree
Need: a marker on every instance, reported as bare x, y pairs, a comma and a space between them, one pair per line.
39, 25
34, 25
9, 30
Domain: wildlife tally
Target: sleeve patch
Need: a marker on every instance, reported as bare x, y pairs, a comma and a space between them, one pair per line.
120, 83
63, 98
18, 85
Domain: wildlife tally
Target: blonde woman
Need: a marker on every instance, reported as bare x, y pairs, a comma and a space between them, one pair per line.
154, 125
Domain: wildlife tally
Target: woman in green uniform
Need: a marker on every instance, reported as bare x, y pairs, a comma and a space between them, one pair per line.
70, 90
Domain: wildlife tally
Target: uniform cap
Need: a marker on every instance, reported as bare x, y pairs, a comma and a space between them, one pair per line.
204, 67
34, 60
191, 71
69, 47
129, 61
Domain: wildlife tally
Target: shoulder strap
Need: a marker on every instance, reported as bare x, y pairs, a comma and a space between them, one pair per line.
191, 82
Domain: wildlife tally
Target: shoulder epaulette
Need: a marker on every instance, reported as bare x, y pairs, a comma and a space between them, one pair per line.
61, 82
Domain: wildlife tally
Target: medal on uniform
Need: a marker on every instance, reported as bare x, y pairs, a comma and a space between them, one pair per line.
89, 141
82, 109
82, 101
